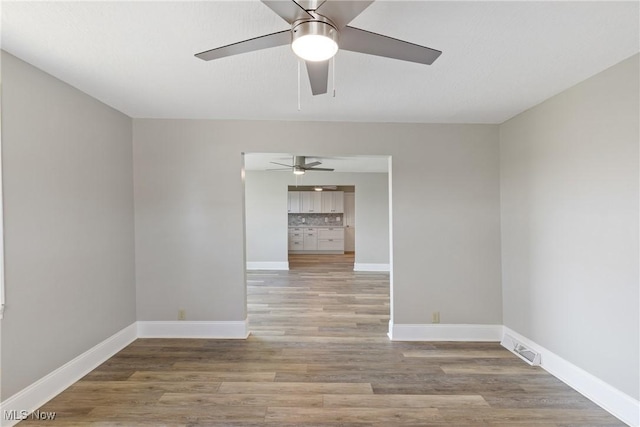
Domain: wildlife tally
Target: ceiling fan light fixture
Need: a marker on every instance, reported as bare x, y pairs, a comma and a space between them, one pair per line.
298, 171
315, 41
318, 188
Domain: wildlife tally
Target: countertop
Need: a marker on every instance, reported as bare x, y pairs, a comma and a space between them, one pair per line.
316, 226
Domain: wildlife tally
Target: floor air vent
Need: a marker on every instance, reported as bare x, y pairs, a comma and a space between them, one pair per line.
523, 352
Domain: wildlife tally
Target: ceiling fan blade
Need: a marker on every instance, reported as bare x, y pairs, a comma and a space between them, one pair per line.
263, 42
282, 164
342, 12
288, 10
318, 76
319, 169
357, 40
312, 164
310, 4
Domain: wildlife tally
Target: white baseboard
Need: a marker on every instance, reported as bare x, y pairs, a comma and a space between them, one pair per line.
49, 386
359, 266
617, 403
258, 265
444, 332
193, 329
37, 394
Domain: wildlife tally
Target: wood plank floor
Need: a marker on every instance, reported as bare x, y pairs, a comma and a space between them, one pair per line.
319, 356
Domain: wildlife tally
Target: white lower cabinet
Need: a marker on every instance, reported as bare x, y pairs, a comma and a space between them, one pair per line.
331, 233
316, 240
310, 240
295, 239
295, 245
331, 239
331, 245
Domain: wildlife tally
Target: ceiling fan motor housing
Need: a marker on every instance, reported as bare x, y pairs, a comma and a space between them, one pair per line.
320, 28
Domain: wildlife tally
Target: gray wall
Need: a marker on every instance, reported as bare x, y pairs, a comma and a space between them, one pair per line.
569, 175
266, 216
266, 202
68, 217
189, 213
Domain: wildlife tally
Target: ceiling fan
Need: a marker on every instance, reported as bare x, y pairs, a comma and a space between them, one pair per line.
300, 166
318, 29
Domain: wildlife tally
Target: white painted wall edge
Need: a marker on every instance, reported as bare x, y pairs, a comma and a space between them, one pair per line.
359, 266
194, 329
49, 386
266, 265
444, 332
617, 403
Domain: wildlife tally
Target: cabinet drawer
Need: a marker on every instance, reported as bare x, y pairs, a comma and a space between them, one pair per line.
331, 245
310, 243
295, 234
296, 229
295, 245
310, 232
331, 233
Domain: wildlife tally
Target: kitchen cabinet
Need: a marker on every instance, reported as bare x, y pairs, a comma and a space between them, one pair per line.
296, 245
332, 201
294, 202
331, 239
316, 240
310, 239
311, 202
295, 239
315, 202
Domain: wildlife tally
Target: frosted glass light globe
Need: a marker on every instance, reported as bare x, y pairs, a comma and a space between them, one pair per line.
314, 40
314, 47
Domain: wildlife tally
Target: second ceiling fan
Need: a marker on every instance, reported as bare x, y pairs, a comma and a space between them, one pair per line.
300, 166
318, 29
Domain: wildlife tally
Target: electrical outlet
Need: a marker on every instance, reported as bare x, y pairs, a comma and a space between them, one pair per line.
304, 220
326, 219
182, 314
435, 317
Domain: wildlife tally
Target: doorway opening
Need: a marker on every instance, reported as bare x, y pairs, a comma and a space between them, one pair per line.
321, 226
308, 270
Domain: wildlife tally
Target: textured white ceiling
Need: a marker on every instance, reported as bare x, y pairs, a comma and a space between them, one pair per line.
499, 58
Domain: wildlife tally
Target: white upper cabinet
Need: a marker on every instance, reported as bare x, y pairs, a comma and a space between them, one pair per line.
315, 202
311, 202
332, 201
294, 202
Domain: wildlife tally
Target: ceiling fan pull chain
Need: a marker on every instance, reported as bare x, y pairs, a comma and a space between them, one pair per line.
333, 77
298, 86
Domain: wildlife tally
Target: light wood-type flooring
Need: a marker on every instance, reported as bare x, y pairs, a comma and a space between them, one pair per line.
319, 355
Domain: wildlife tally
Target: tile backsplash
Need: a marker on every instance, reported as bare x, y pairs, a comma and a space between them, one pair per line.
316, 219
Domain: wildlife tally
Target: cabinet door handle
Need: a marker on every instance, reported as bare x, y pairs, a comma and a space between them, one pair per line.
331, 240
